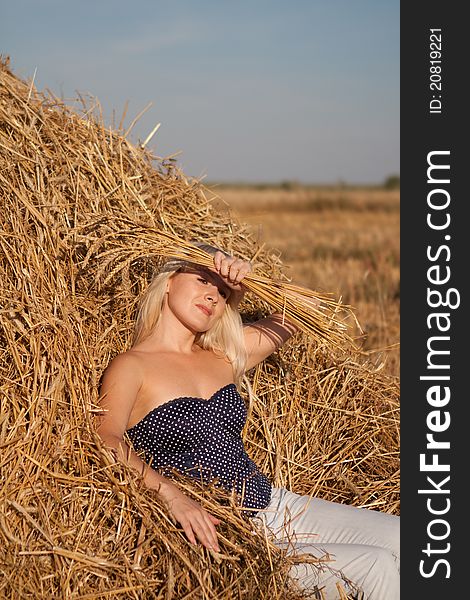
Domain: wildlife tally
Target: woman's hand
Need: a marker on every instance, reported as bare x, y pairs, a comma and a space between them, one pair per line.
232, 270
195, 521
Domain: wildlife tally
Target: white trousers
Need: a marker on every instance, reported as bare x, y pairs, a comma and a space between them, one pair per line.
362, 546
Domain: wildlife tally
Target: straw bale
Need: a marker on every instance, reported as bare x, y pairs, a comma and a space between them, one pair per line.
80, 205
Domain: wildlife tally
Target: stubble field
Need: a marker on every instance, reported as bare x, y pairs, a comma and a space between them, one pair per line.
343, 240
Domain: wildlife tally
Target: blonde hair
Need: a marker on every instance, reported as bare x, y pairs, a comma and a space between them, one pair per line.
224, 338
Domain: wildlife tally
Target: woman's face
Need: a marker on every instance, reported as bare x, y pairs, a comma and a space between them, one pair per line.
197, 298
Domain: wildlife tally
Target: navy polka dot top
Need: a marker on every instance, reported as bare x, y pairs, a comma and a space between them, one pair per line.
202, 438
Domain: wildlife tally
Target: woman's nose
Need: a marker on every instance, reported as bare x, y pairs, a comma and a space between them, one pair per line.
212, 295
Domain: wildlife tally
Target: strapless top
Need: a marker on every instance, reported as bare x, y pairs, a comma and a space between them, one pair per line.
202, 438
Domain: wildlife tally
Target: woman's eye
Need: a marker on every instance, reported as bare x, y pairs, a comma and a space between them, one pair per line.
202, 280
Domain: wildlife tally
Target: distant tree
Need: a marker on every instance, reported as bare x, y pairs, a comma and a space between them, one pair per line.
392, 182
289, 184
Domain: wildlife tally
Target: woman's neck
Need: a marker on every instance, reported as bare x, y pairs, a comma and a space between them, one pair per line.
170, 337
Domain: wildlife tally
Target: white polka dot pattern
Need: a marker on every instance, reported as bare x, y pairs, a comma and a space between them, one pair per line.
202, 438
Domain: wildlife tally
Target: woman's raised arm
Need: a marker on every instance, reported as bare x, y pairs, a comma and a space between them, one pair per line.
265, 336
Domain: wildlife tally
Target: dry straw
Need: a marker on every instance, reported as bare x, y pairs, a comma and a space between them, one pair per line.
315, 313
83, 214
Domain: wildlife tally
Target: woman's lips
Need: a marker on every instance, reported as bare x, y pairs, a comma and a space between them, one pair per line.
204, 309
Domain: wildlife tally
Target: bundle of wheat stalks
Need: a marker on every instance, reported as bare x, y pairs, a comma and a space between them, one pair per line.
84, 213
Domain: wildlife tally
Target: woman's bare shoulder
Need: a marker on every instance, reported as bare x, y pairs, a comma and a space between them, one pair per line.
130, 356
128, 363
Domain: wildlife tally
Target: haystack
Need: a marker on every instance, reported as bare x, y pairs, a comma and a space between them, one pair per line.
77, 199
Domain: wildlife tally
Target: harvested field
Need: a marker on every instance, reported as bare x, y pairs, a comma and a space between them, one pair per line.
342, 239
77, 199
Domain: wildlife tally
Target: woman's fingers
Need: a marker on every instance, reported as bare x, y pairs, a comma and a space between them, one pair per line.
203, 529
218, 258
215, 520
231, 268
196, 522
207, 534
189, 532
238, 270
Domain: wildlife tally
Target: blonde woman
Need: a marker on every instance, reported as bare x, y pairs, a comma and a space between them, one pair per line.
175, 393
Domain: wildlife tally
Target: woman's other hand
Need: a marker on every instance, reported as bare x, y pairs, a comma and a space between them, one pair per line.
195, 521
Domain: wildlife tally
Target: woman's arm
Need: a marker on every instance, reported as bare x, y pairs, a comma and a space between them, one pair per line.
121, 383
265, 336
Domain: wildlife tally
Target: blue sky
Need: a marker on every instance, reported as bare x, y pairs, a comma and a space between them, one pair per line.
259, 91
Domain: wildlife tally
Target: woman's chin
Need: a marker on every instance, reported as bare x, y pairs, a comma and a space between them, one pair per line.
197, 328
